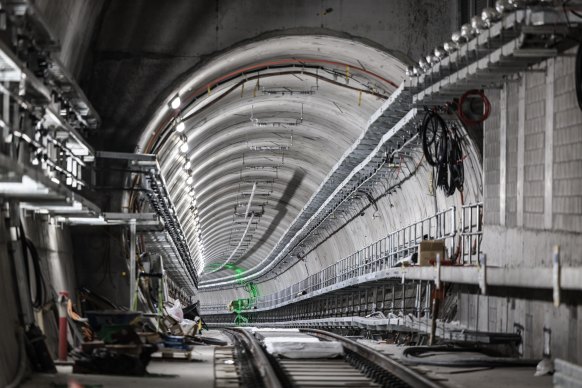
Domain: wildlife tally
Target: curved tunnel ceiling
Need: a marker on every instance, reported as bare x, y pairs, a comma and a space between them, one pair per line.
263, 125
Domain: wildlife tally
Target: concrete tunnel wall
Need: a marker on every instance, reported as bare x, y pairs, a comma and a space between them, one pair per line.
134, 73
138, 60
407, 205
125, 57
403, 35
531, 203
73, 23
90, 44
219, 135
149, 64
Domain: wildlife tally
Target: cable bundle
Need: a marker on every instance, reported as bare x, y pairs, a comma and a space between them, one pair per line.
42, 294
442, 149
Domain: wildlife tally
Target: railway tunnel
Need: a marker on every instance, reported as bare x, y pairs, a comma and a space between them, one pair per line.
290, 193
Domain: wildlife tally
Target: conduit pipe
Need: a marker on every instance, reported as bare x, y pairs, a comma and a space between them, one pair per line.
263, 65
248, 208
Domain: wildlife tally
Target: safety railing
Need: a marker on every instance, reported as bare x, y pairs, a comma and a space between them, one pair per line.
386, 253
382, 254
471, 232
214, 308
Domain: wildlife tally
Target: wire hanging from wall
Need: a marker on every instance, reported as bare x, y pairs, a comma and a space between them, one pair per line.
441, 145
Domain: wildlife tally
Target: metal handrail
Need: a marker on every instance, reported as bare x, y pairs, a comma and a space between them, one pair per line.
471, 232
382, 254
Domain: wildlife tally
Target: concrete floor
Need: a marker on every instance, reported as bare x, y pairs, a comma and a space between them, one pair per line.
176, 373
200, 373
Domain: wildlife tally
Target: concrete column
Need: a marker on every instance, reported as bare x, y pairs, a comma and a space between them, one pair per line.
520, 149
132, 264
549, 149
502, 153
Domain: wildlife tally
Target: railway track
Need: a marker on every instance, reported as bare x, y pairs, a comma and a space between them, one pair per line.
359, 366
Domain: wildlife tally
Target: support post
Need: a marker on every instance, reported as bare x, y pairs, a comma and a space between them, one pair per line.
403, 299
132, 265
63, 345
502, 154
392, 305
433, 318
556, 275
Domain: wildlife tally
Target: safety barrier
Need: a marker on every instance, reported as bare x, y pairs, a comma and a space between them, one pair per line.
385, 253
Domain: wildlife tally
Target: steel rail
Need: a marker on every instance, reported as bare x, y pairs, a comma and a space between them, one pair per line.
259, 359
404, 373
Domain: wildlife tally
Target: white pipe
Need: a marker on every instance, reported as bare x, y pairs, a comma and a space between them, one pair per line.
238, 245
250, 200
248, 208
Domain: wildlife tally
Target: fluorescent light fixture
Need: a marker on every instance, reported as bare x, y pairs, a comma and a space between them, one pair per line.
184, 148
84, 221
175, 103
180, 127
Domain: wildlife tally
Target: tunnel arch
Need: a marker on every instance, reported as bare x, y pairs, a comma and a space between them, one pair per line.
277, 80
289, 84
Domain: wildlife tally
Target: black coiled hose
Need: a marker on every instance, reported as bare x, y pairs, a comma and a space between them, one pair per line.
434, 138
455, 167
442, 150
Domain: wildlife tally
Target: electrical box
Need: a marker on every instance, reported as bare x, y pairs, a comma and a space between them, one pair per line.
428, 250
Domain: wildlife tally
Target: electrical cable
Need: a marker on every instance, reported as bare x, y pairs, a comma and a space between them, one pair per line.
442, 148
161, 136
434, 138
454, 165
39, 299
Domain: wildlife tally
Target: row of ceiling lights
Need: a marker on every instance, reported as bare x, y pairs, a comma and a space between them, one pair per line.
468, 31
175, 104
179, 128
